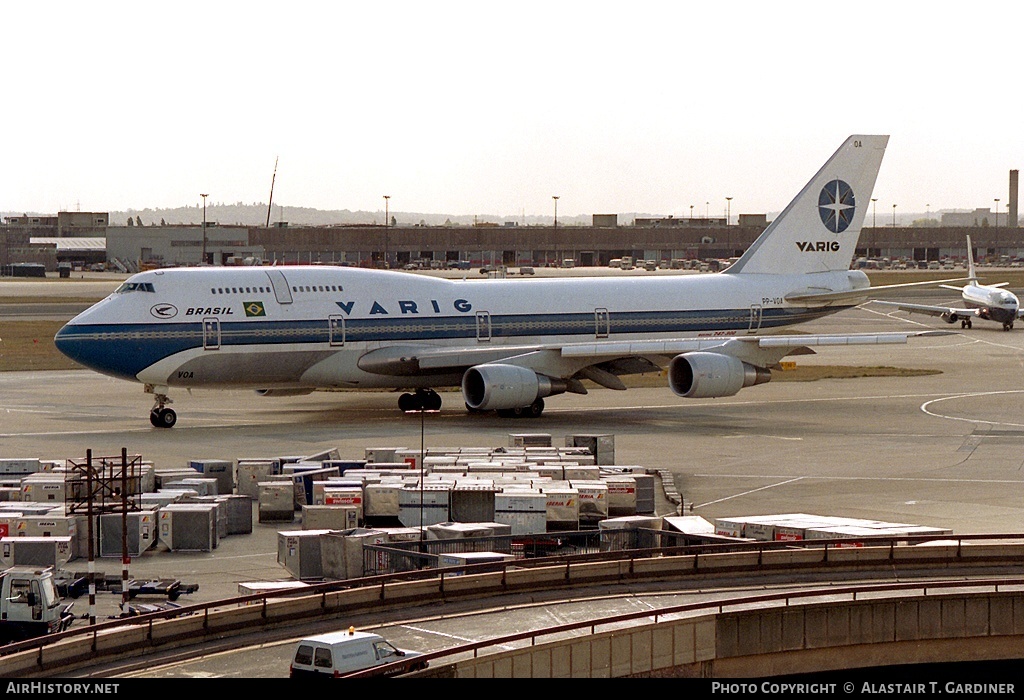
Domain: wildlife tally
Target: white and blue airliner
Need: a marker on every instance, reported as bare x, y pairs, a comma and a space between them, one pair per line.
508, 344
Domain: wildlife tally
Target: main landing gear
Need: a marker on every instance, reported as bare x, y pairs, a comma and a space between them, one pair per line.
420, 400
532, 411
966, 323
161, 416
1008, 326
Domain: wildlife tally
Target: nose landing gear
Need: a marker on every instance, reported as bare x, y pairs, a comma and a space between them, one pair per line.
160, 416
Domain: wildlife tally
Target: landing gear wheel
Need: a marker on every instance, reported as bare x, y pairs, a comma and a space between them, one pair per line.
407, 403
421, 400
969, 323
535, 409
163, 418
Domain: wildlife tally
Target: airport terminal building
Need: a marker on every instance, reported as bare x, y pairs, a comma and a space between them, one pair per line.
660, 241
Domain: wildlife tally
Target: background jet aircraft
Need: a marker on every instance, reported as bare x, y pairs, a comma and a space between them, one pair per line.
986, 301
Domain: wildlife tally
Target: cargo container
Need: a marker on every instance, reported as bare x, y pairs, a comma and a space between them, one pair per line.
525, 511
223, 470
298, 551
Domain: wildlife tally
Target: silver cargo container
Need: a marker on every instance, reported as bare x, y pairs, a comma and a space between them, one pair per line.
563, 508
298, 551
601, 446
201, 485
381, 500
141, 533
341, 551
188, 527
223, 470
250, 472
472, 503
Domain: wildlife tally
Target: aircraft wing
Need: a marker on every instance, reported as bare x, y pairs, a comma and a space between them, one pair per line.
930, 310
604, 360
826, 297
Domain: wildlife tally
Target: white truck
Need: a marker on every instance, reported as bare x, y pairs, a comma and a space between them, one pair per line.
335, 654
30, 605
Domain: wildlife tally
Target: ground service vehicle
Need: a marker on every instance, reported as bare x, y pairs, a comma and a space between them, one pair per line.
29, 604
334, 654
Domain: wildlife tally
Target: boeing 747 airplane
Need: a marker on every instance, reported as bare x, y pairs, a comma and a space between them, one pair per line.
508, 344
986, 301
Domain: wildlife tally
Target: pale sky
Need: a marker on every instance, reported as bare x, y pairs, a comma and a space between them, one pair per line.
492, 108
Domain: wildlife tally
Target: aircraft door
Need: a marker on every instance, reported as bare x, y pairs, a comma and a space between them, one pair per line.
483, 326
211, 334
602, 323
280, 285
755, 319
336, 330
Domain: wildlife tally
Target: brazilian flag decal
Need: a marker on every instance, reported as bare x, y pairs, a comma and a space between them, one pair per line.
254, 308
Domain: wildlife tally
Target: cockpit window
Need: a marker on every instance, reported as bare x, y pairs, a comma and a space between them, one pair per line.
135, 287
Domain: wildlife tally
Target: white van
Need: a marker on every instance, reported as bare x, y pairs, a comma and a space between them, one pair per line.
335, 654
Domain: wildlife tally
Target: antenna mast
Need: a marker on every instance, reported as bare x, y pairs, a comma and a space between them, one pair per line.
271, 202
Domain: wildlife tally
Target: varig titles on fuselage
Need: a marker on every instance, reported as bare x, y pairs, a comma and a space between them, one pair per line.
374, 308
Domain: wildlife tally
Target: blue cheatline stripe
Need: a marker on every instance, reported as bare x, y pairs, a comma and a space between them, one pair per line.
126, 349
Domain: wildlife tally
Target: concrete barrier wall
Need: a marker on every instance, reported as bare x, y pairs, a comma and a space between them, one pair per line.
775, 641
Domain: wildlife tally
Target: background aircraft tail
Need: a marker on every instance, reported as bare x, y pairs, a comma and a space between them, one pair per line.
971, 274
818, 231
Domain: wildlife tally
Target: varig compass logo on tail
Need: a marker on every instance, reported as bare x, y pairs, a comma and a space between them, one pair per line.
836, 207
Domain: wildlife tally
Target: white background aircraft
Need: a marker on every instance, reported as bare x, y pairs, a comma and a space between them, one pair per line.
508, 344
986, 301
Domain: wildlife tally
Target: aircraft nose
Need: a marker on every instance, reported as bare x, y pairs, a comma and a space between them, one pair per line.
79, 343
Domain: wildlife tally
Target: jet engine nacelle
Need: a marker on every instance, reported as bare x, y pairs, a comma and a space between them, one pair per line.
496, 387
283, 392
706, 375
950, 318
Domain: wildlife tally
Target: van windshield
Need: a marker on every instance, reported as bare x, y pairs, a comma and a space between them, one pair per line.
385, 650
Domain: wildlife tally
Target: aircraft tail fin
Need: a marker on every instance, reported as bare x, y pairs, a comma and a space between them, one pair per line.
819, 229
971, 274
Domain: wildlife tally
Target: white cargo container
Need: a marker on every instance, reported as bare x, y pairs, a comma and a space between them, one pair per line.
469, 558
43, 488
563, 507
593, 499
381, 500
525, 510
19, 465
621, 495
35, 551
330, 517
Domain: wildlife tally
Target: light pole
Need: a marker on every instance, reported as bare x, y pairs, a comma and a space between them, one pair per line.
555, 197
707, 214
202, 259
874, 223
728, 210
894, 216
997, 212
387, 225
691, 212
